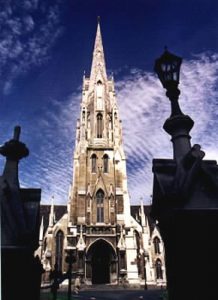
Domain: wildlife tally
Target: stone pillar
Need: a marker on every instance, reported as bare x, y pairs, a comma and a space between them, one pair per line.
21, 271
178, 126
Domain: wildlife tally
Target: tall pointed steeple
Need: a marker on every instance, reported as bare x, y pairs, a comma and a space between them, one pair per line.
99, 202
98, 70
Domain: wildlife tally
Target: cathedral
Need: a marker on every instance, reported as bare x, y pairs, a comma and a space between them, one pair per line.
112, 241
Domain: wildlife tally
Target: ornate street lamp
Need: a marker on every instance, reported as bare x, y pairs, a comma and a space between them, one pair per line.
167, 68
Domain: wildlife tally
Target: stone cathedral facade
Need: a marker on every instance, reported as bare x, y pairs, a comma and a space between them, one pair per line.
109, 244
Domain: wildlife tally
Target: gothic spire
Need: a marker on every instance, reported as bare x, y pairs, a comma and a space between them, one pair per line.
142, 214
51, 215
41, 230
98, 69
121, 244
81, 243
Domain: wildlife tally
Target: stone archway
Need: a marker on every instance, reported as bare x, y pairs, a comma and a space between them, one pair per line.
101, 256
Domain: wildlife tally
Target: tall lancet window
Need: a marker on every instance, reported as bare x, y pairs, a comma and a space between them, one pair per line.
156, 242
99, 89
59, 250
94, 163
158, 267
100, 206
99, 125
105, 163
99, 92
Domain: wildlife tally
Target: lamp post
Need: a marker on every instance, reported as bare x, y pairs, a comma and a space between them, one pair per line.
177, 125
167, 68
70, 259
185, 200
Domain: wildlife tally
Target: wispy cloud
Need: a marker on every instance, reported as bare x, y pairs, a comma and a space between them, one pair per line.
143, 109
49, 165
29, 28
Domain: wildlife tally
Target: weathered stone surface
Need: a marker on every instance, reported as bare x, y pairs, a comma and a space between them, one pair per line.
98, 218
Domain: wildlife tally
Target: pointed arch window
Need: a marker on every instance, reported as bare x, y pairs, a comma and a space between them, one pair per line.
100, 206
156, 242
94, 163
83, 115
99, 83
105, 163
158, 268
99, 125
59, 249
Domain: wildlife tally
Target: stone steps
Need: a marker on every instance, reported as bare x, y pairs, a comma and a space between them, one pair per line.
106, 287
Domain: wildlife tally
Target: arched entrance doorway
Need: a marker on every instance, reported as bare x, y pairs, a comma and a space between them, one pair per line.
102, 262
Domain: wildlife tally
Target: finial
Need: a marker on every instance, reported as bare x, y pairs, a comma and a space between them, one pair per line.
14, 149
84, 75
98, 19
17, 130
51, 215
165, 48
41, 230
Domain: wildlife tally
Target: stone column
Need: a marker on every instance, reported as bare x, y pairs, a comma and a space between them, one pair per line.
21, 271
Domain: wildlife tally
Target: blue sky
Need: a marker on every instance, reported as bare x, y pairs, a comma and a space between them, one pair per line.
45, 46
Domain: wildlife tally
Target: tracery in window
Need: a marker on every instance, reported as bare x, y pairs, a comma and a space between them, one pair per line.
100, 206
156, 242
94, 163
59, 250
99, 125
158, 268
105, 163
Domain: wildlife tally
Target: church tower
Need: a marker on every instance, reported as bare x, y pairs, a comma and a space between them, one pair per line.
100, 225
109, 245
